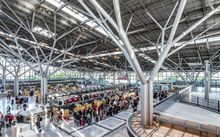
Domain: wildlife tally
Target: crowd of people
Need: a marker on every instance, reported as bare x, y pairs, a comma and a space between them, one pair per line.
99, 109
84, 113
160, 95
6, 121
21, 102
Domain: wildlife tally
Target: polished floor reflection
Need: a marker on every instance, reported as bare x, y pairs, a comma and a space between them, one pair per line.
91, 131
123, 115
120, 132
106, 127
111, 123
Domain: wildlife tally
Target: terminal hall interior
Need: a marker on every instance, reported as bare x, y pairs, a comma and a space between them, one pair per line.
109, 68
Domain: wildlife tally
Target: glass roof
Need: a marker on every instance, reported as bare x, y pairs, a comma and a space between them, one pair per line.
77, 15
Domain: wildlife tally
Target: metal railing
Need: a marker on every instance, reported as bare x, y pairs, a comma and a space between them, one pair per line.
185, 92
210, 104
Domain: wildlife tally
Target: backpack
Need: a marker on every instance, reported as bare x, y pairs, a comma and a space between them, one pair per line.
88, 115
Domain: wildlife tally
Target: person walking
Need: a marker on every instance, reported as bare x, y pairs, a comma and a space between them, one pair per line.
11, 118
12, 102
135, 105
25, 106
37, 99
0, 129
2, 121
39, 119
8, 109
41, 133
7, 121
8, 96
83, 120
78, 117
89, 118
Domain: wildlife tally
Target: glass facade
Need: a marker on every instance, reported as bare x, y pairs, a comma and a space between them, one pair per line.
26, 73
110, 77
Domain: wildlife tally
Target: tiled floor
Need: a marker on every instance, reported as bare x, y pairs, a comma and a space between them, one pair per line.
91, 131
108, 127
53, 131
123, 115
121, 132
157, 130
111, 123
98, 129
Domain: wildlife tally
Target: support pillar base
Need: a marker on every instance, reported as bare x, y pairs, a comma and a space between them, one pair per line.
207, 79
43, 89
147, 104
16, 86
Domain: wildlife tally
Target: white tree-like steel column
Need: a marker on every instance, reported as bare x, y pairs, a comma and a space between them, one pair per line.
159, 64
122, 42
43, 89
43, 84
16, 85
14, 72
120, 39
4, 78
207, 79
41, 60
17, 68
113, 77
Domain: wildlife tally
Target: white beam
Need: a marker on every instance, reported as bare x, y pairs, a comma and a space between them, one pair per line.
170, 40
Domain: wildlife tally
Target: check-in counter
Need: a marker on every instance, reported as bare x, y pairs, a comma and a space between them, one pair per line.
26, 115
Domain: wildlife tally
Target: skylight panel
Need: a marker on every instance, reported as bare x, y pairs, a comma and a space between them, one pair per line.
92, 23
69, 10
194, 63
43, 32
56, 3
77, 15
141, 54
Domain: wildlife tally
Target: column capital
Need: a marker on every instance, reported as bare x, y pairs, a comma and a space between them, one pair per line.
207, 61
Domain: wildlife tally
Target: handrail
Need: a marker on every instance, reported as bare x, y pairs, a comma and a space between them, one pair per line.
158, 103
210, 104
187, 88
